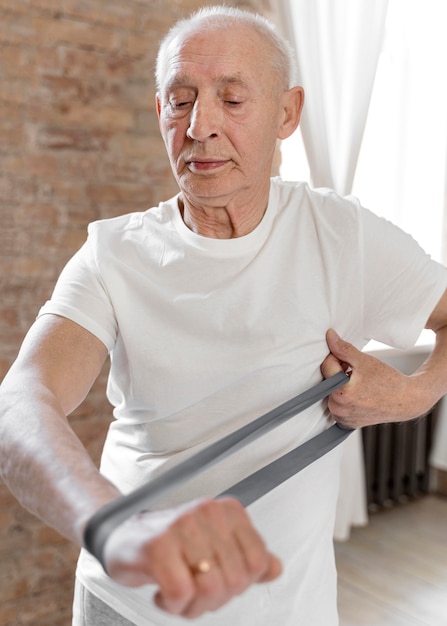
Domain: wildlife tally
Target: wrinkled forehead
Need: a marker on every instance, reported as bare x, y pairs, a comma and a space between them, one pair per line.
239, 53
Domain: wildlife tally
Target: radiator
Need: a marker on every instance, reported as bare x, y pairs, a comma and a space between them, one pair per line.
396, 460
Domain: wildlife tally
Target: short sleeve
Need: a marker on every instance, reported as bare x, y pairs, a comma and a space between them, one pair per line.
402, 283
81, 296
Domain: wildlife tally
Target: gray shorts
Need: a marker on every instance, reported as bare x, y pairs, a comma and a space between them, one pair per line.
88, 610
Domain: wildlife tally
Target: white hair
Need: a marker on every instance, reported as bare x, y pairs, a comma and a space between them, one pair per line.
225, 17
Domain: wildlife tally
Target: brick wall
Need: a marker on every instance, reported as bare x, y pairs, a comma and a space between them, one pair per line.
78, 141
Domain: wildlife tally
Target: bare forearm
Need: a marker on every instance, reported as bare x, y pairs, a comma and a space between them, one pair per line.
43, 462
47, 468
430, 379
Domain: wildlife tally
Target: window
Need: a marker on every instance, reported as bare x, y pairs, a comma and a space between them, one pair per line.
401, 171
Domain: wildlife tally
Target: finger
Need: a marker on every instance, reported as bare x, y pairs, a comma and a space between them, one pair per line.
260, 564
228, 575
273, 571
176, 583
342, 350
240, 556
211, 592
240, 550
200, 532
224, 517
331, 366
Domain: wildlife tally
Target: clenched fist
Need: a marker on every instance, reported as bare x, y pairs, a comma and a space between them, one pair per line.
200, 555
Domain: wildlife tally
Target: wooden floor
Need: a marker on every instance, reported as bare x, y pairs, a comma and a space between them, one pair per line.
394, 571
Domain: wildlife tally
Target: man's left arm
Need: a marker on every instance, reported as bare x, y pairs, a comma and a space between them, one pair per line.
377, 392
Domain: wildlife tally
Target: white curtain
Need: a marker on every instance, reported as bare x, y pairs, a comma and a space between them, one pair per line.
337, 43
405, 139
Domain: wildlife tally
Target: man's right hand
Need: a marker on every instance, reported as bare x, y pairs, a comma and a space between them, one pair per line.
200, 555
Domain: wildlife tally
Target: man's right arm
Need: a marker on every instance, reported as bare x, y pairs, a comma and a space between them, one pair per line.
49, 471
41, 459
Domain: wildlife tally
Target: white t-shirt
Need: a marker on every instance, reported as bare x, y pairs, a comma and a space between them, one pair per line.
207, 334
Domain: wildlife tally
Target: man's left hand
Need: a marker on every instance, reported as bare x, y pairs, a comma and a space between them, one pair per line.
375, 393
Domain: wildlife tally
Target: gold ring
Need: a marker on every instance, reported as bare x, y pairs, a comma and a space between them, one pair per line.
202, 567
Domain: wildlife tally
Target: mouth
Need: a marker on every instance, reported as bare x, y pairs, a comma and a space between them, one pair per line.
196, 164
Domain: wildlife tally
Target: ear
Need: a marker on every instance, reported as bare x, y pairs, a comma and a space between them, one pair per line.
158, 104
292, 105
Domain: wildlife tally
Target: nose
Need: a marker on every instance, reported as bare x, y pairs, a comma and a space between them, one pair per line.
204, 122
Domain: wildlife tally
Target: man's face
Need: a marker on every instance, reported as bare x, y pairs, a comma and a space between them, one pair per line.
220, 109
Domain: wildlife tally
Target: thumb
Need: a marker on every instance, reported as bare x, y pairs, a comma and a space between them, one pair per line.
343, 355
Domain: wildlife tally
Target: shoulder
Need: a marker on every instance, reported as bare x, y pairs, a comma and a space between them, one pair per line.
321, 197
321, 207
130, 226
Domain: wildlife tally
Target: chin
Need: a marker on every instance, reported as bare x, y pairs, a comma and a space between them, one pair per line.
206, 188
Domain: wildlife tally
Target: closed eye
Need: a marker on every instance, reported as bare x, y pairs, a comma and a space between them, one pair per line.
179, 105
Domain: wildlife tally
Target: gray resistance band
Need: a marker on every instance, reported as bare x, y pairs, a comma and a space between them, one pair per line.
110, 516
267, 478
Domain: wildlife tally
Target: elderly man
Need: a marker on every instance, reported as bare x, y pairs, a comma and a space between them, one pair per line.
215, 307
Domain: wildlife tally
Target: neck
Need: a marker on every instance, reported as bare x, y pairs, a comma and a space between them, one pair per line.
221, 219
